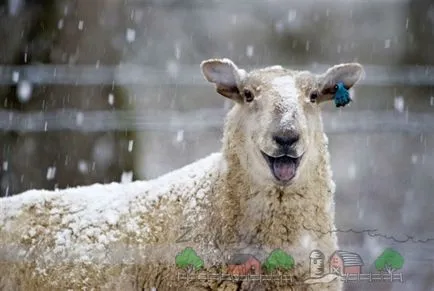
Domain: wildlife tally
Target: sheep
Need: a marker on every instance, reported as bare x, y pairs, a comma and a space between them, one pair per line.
269, 188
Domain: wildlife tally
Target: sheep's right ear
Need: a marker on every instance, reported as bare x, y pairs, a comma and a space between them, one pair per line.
349, 74
225, 75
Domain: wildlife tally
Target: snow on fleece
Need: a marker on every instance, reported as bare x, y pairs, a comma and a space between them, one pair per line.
93, 210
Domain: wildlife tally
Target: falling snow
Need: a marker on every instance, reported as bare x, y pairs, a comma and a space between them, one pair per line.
15, 6
103, 151
15, 76
130, 35
79, 118
130, 145
51, 172
399, 103
292, 14
414, 158
111, 99
24, 91
172, 68
60, 24
83, 166
372, 169
352, 171
180, 136
177, 51
249, 51
387, 43
234, 19
279, 26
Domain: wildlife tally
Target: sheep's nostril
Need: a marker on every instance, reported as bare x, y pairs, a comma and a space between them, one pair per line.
286, 140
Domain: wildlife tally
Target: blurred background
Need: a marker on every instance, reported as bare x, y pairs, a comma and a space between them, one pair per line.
110, 91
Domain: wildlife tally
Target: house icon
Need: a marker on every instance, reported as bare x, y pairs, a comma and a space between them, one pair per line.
243, 264
343, 262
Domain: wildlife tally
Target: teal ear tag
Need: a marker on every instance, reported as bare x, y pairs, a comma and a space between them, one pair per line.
342, 95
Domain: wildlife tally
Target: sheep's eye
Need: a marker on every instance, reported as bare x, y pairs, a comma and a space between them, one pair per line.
313, 96
248, 95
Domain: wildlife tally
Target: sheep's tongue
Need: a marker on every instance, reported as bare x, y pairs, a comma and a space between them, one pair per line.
284, 168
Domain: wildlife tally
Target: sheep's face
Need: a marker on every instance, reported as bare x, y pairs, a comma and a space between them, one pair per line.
276, 117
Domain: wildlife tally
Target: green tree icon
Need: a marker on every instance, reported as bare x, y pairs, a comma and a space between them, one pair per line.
389, 261
188, 260
278, 260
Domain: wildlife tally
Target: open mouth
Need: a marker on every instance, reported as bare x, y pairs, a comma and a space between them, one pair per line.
283, 168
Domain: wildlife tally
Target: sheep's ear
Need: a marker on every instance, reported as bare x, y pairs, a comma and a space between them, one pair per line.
349, 74
225, 75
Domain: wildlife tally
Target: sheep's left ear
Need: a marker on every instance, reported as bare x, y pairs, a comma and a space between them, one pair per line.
225, 75
348, 74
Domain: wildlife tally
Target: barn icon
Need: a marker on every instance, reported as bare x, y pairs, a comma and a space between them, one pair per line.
343, 262
244, 264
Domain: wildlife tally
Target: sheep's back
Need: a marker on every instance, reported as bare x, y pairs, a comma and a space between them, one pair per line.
79, 236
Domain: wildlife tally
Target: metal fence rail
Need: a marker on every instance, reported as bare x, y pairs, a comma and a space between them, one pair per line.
340, 122
130, 74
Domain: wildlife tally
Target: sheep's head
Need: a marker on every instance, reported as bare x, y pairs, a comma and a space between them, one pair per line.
276, 118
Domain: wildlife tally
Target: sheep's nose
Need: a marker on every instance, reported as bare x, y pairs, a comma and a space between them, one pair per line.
286, 140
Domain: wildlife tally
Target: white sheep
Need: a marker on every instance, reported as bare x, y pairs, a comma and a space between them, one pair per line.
270, 187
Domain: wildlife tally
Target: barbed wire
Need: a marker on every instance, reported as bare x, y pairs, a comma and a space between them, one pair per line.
370, 232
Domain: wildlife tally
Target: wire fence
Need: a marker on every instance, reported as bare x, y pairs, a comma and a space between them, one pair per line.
185, 276
341, 122
131, 74
370, 277
373, 277
170, 120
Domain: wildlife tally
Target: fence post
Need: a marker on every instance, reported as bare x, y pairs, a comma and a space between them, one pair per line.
370, 276
346, 278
